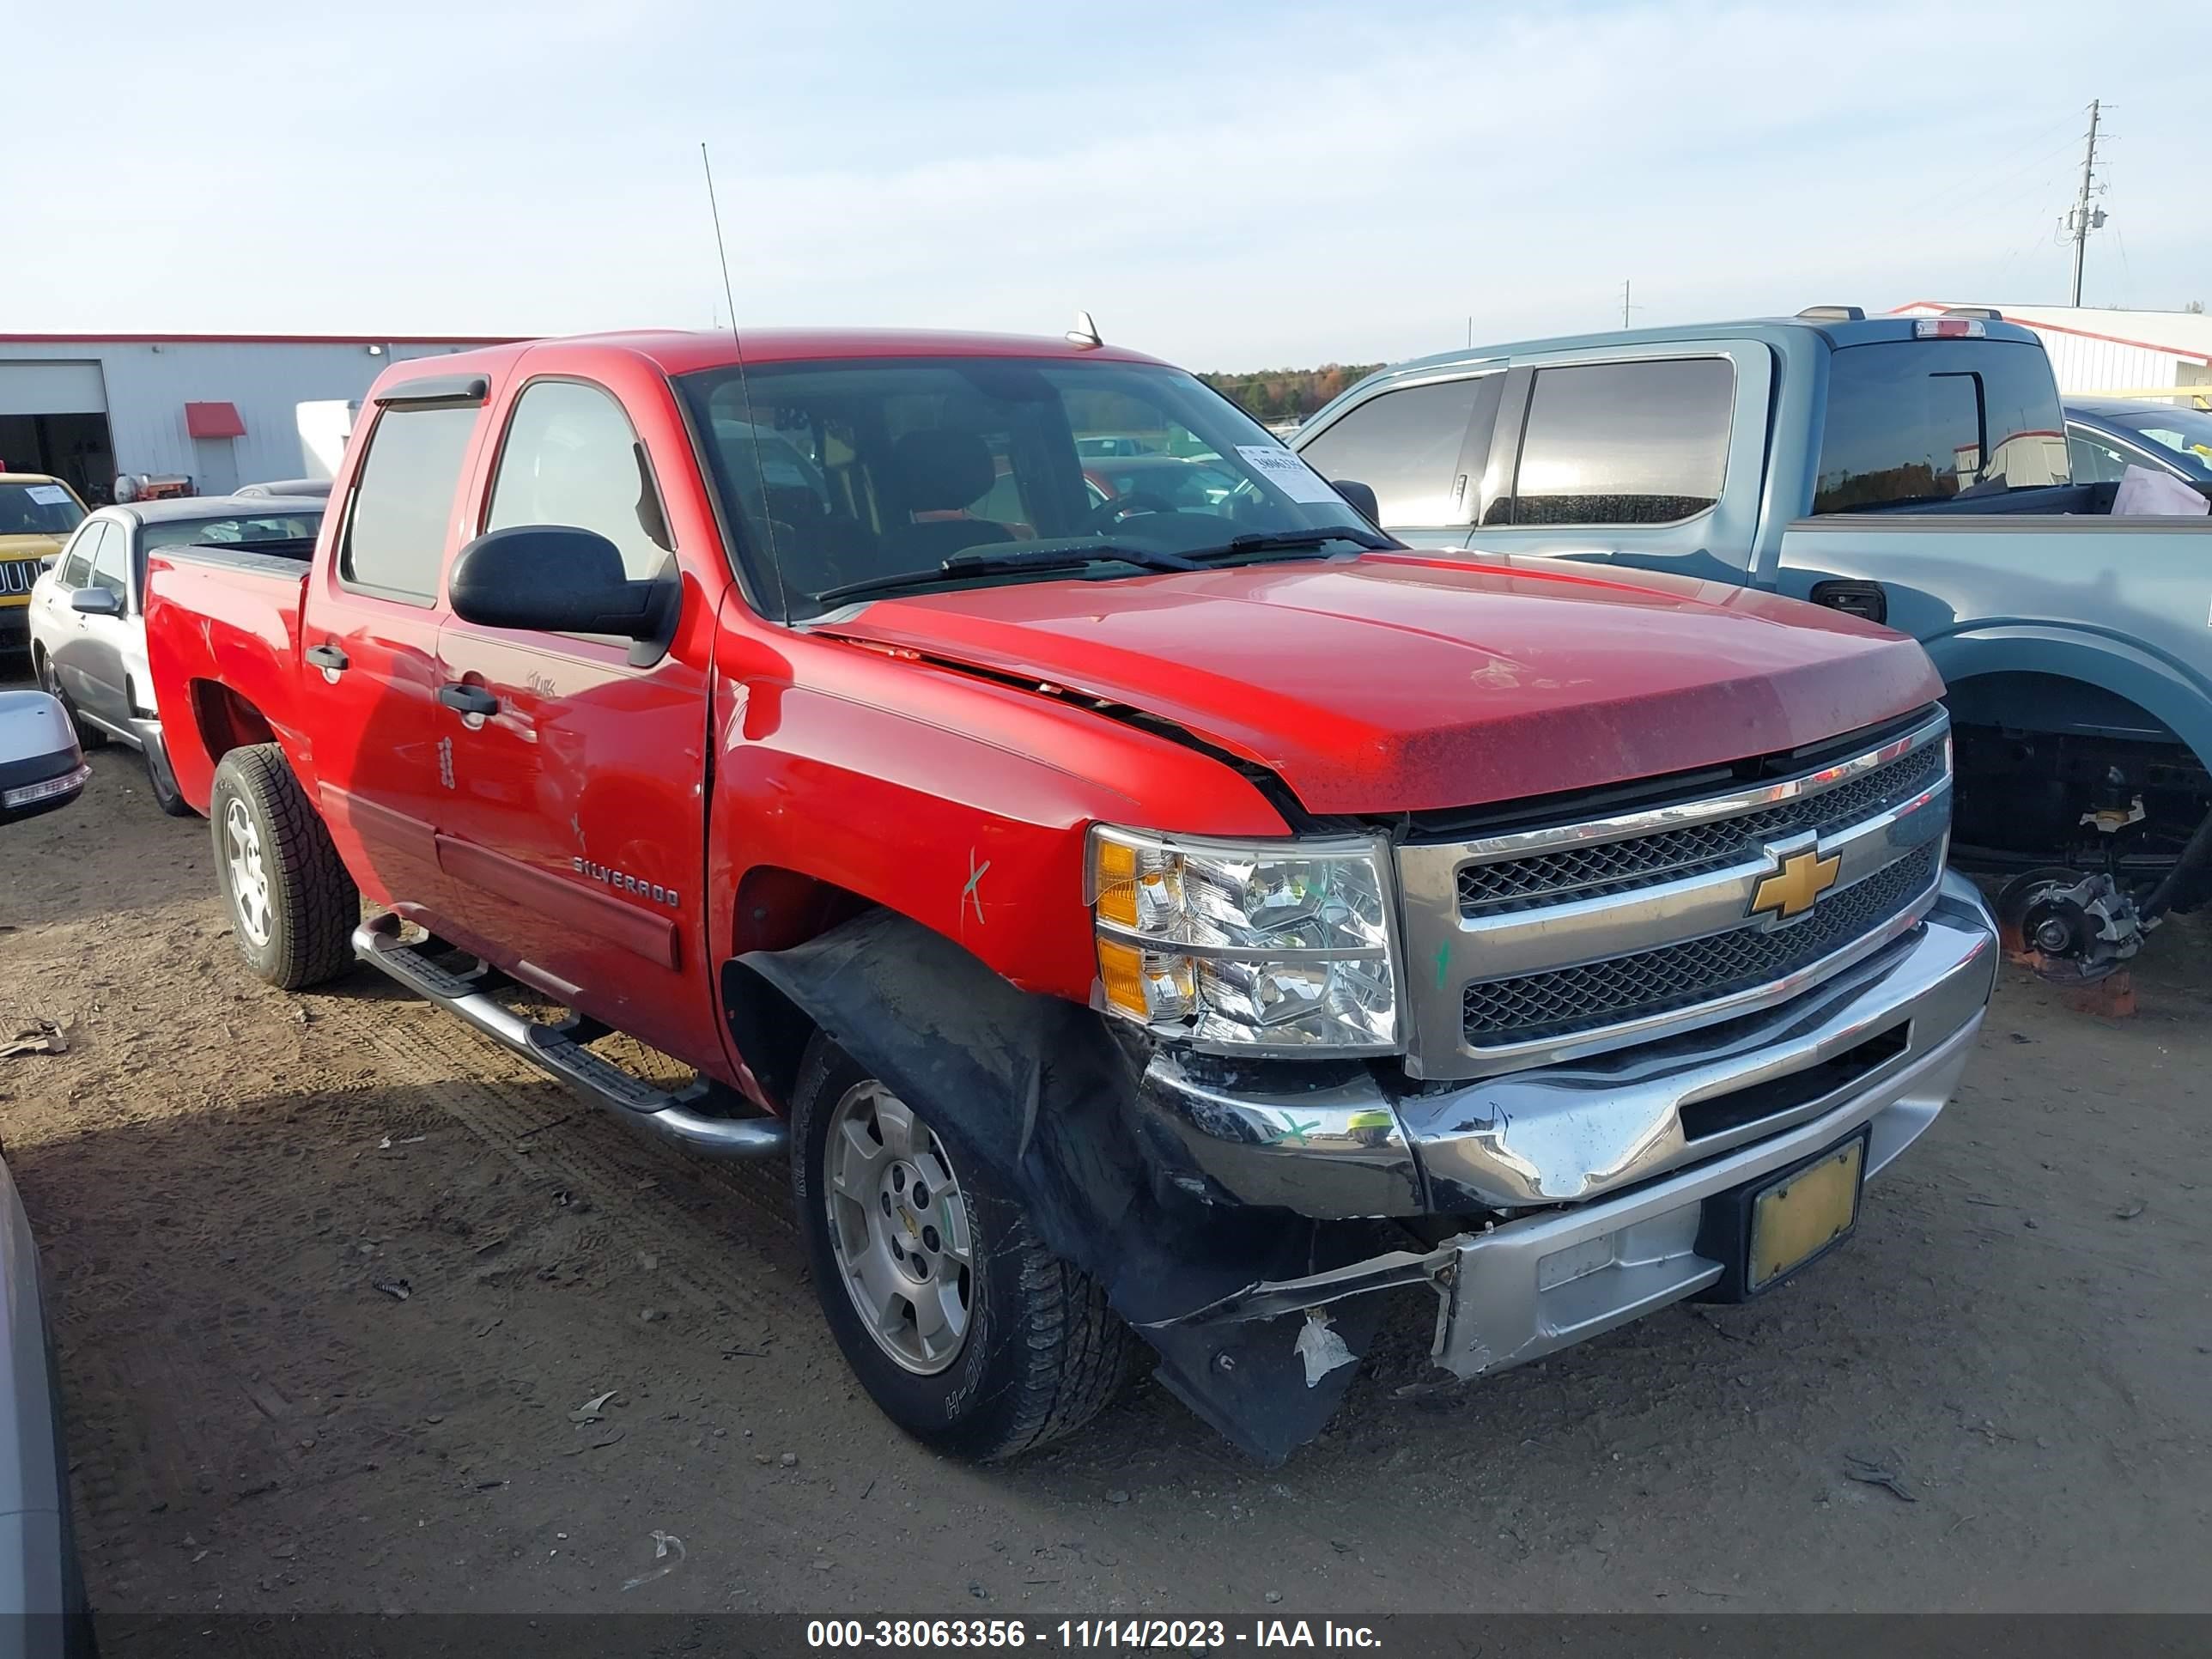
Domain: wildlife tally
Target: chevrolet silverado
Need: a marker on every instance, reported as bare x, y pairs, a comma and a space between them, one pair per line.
1175, 917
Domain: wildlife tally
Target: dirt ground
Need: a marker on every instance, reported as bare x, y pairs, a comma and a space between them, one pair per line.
229, 1183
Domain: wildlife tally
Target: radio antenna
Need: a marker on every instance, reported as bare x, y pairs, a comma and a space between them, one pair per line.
744, 387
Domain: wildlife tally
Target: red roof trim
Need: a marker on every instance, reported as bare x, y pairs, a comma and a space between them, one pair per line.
263, 340
213, 421
2079, 333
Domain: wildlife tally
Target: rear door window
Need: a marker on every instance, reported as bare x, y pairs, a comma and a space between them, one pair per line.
2094, 460
107, 561
76, 564
1640, 443
395, 539
1915, 422
1406, 446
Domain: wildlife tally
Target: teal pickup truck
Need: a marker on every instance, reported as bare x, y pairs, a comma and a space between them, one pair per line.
1912, 470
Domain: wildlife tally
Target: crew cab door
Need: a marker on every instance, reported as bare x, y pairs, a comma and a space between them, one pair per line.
572, 823
1419, 445
1648, 456
368, 640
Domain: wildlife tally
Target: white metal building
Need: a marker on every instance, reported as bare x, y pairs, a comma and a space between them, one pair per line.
2101, 350
218, 409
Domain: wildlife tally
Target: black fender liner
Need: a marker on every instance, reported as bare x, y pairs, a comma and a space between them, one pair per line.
1034, 1086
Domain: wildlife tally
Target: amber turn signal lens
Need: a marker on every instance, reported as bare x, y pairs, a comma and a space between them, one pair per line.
1117, 881
1121, 973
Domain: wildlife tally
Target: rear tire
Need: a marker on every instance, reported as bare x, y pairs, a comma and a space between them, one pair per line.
166, 796
1041, 1353
293, 907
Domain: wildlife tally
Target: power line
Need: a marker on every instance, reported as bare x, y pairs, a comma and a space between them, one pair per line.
1947, 204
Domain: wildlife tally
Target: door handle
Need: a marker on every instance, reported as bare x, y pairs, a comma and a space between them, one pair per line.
327, 656
1853, 598
468, 699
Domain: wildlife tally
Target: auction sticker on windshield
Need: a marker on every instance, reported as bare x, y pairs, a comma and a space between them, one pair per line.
1288, 474
47, 494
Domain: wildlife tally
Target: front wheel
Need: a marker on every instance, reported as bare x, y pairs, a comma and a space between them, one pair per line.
50, 682
293, 907
964, 1328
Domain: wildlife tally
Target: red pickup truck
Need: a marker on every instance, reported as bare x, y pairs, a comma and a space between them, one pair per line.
1176, 916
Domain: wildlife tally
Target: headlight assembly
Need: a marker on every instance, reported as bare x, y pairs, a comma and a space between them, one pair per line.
1253, 946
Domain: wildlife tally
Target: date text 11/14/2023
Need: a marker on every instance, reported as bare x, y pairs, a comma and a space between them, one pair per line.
1151, 1634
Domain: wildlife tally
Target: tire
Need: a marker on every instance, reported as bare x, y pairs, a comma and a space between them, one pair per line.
296, 928
1042, 1355
166, 794
87, 736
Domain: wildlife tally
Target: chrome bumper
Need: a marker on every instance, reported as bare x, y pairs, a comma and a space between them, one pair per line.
1870, 1043
1547, 1280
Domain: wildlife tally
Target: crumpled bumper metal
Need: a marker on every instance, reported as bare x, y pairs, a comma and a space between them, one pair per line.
1546, 1279
1866, 1042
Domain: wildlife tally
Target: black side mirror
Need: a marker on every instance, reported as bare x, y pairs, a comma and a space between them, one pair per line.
95, 602
555, 578
1361, 497
41, 768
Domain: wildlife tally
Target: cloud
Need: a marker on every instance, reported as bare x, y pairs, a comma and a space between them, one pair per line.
1233, 186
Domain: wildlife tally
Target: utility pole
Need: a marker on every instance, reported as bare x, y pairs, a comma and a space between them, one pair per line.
1624, 306
2084, 219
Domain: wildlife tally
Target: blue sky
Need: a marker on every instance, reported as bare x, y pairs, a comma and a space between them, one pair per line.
1230, 186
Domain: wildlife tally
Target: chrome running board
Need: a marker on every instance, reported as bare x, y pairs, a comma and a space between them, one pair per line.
673, 1117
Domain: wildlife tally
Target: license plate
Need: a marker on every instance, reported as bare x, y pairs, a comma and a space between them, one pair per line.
1805, 1214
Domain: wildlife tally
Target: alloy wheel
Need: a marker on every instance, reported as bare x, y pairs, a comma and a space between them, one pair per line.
249, 875
898, 1228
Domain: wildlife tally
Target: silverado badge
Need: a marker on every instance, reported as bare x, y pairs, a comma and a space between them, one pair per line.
1796, 882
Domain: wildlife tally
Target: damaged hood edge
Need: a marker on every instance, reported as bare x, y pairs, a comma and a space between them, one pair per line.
1370, 686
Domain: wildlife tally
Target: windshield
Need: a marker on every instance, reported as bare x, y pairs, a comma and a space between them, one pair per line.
858, 472
2187, 432
38, 509
230, 531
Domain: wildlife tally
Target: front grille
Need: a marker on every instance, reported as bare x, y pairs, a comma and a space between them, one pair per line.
1559, 1004
1580, 872
17, 575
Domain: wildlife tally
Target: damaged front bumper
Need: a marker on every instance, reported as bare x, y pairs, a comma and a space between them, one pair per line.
1602, 1170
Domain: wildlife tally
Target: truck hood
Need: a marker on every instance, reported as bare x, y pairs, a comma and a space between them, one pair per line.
1407, 682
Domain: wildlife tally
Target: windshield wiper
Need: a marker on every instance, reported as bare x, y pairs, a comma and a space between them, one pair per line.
984, 562
1267, 541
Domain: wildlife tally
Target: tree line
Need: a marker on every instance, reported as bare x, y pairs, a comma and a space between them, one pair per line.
1289, 394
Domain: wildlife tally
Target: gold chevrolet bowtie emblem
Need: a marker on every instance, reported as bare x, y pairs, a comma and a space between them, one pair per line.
1791, 890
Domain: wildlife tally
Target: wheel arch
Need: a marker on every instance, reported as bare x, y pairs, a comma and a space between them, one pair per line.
2041, 678
777, 909
220, 719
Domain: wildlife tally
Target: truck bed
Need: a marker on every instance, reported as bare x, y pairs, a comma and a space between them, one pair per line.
222, 642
